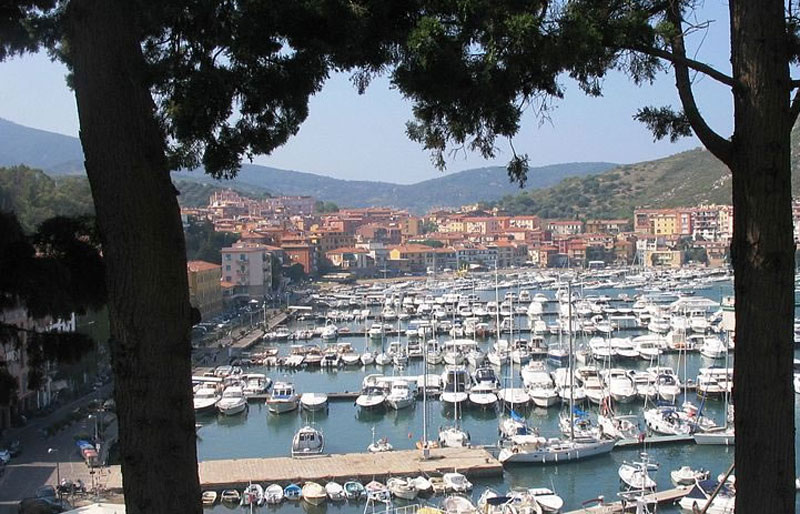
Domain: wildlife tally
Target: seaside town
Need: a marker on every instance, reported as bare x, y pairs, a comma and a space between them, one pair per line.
572, 338
431, 257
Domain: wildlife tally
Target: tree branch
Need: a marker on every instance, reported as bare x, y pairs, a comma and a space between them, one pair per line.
720, 147
794, 110
689, 63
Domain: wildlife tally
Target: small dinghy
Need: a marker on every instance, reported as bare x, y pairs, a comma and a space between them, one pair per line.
209, 498
456, 504
230, 496
422, 484
546, 498
354, 490
314, 401
314, 493
402, 488
252, 495
688, 476
273, 495
334, 491
457, 482
292, 492
377, 492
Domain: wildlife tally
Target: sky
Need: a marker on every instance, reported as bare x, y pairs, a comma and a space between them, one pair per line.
362, 137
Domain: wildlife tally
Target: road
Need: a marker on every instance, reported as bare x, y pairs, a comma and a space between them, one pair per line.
43, 459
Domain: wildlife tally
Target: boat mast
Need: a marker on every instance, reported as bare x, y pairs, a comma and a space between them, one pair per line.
571, 372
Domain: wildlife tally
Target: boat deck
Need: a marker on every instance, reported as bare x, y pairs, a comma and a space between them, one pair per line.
221, 474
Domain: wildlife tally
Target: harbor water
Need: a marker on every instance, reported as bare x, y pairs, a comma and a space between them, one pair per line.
259, 433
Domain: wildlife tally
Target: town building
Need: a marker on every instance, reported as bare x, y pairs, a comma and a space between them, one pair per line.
205, 292
248, 266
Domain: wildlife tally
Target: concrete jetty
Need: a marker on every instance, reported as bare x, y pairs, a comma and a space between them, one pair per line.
229, 473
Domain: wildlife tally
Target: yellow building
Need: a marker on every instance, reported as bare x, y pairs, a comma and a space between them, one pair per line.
663, 258
205, 291
664, 223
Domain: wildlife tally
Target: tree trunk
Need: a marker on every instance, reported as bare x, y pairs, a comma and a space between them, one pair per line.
763, 259
144, 252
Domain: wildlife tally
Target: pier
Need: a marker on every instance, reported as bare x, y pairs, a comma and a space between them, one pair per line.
232, 473
660, 497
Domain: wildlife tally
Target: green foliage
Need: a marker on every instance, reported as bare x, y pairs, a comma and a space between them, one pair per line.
35, 197
203, 243
323, 207
52, 273
294, 272
430, 242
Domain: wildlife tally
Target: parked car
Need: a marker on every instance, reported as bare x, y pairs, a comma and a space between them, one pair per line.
5, 456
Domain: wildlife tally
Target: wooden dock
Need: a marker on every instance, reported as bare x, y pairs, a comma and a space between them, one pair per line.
660, 497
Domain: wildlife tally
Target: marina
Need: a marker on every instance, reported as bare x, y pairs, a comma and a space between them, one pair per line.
396, 328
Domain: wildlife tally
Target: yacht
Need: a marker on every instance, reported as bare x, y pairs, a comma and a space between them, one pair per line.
457, 384
205, 399
255, 384
307, 441
371, 397
400, 395
484, 390
233, 401
539, 384
283, 398
533, 449
314, 401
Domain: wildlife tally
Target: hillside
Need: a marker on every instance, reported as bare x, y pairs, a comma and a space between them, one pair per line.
58, 154
683, 179
36, 196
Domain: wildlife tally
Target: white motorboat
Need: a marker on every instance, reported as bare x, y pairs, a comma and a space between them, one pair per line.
634, 475
283, 398
308, 441
713, 347
457, 504
255, 384
619, 385
230, 496
367, 358
209, 498
548, 500
539, 384
371, 397
205, 399
383, 359
422, 484
253, 494
273, 494
402, 488
483, 395
335, 491
457, 384
433, 352
232, 402
329, 332
314, 493
688, 476
314, 401
456, 482
453, 437
700, 494
618, 427
400, 395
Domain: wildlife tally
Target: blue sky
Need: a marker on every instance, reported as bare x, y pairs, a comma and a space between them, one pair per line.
363, 137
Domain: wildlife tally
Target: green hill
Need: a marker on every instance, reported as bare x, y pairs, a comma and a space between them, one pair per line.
684, 179
36, 196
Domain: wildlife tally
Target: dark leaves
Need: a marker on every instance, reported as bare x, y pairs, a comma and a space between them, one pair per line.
664, 122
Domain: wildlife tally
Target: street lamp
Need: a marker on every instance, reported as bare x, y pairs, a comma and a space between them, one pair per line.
58, 472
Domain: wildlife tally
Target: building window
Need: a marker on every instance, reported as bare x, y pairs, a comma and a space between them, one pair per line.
227, 256
227, 267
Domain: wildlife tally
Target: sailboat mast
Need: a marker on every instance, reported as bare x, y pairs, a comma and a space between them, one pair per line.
571, 372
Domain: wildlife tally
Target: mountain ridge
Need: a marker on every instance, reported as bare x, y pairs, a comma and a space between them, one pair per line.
63, 156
